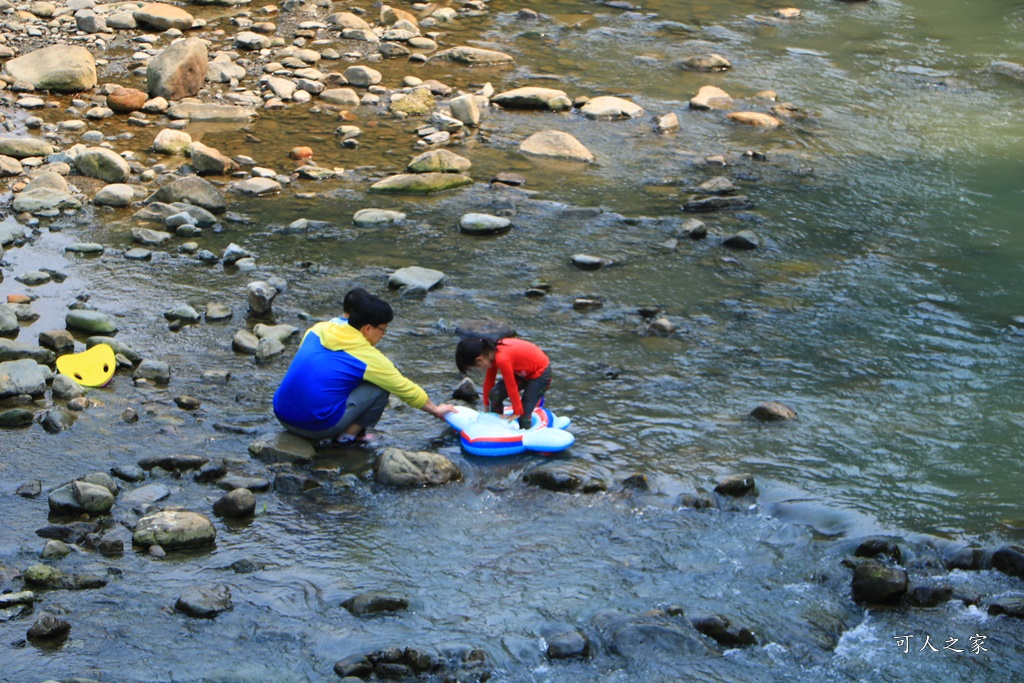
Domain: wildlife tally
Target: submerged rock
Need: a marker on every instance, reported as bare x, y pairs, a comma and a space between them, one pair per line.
375, 601
175, 529
203, 602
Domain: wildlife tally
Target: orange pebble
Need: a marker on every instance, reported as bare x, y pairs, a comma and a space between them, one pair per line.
19, 299
301, 153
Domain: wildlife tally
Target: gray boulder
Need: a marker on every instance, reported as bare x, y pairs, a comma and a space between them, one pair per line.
102, 163
179, 71
192, 190
23, 377
175, 529
396, 467
61, 68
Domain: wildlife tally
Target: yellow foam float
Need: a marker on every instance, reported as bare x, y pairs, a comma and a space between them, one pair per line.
91, 368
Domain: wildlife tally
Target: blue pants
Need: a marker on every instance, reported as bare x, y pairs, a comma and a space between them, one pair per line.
364, 407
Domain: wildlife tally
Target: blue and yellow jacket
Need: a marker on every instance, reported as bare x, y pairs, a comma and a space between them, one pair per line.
332, 360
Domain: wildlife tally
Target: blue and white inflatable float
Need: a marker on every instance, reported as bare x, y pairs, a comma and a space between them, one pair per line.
490, 434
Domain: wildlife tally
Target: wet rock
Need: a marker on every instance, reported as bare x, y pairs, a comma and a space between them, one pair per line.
374, 602
365, 218
466, 391
54, 549
773, 411
49, 627
57, 420
532, 97
102, 163
93, 322
420, 183
14, 351
14, 418
755, 119
566, 642
267, 349
730, 203
153, 370
588, 262
969, 559
397, 467
75, 532
179, 71
737, 486
282, 447
648, 635
245, 342
231, 482
569, 476
876, 584
21, 147
190, 189
706, 62
120, 348
143, 496
261, 295
1009, 559
211, 471
24, 598
439, 161
126, 100
116, 195
256, 187
929, 595
287, 482
472, 56
131, 473
60, 68
130, 415
1011, 606
609, 107
342, 97
711, 97
209, 161
555, 144
237, 503
43, 201
30, 489
666, 123
875, 547
151, 238
204, 602
723, 631
484, 224
81, 496
175, 529
24, 376
465, 109
416, 278
216, 312
9, 167
356, 666
744, 240
173, 463
169, 141
195, 111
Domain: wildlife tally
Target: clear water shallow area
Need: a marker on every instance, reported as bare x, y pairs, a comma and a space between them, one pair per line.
881, 307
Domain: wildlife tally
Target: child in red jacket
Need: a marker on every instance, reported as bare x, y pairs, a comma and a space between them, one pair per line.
525, 373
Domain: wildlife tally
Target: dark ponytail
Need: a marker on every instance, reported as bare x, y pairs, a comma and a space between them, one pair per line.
471, 348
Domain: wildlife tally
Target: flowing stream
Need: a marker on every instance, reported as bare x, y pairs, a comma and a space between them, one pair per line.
882, 306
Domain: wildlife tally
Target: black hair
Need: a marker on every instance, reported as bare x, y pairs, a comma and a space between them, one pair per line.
371, 310
352, 299
471, 348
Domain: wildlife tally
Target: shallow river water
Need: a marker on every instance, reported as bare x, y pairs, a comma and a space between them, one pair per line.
880, 306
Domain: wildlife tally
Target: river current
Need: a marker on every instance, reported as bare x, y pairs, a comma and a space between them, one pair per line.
882, 306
